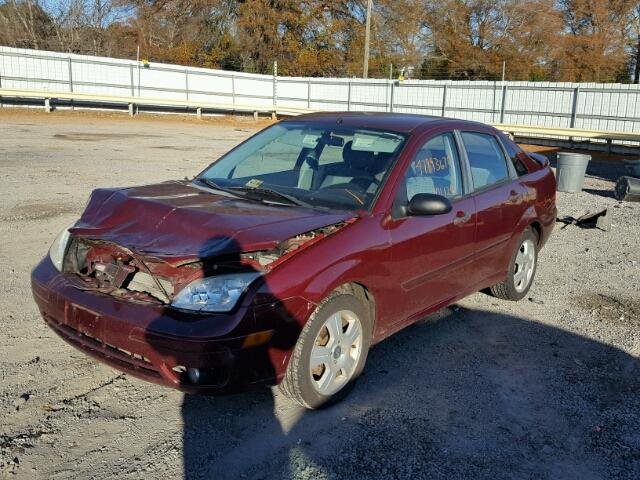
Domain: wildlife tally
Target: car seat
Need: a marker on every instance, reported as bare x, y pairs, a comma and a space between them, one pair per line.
356, 163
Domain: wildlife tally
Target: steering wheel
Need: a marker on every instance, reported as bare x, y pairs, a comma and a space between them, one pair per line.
360, 179
348, 190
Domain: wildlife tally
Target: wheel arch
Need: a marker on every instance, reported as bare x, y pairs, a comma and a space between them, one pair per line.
536, 226
345, 277
362, 293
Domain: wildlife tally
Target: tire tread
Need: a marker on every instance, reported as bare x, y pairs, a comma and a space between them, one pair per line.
505, 290
290, 385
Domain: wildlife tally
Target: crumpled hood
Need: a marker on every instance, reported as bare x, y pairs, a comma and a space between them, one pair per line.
178, 222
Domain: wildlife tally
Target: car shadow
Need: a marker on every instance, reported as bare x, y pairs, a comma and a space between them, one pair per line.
463, 394
208, 418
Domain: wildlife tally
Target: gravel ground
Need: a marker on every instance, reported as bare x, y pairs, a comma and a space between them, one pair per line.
548, 387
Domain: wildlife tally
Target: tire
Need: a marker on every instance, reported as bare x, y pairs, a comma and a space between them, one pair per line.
315, 386
522, 269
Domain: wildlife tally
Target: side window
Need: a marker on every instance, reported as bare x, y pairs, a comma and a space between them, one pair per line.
435, 169
521, 168
486, 159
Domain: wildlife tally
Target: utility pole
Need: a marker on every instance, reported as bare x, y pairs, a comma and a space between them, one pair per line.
138, 62
504, 67
367, 38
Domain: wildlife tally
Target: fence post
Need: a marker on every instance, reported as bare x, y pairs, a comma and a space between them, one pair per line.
186, 83
70, 74
309, 94
233, 89
275, 83
574, 108
444, 99
504, 103
348, 95
393, 89
133, 88
69, 66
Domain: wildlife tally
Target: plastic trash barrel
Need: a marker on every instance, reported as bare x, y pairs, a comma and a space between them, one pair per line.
571, 170
628, 189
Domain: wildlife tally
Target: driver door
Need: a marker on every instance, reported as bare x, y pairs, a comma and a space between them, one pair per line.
432, 255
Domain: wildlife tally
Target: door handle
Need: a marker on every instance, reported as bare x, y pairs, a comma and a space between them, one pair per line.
461, 217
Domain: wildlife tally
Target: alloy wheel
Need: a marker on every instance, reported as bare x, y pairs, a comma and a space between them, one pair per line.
524, 265
336, 352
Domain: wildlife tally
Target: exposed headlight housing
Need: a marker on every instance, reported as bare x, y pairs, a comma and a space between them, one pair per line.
214, 294
59, 248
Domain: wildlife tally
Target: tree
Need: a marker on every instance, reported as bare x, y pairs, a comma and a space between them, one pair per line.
633, 38
594, 48
471, 38
571, 40
25, 24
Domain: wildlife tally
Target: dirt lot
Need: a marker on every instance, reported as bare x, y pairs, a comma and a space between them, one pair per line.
545, 388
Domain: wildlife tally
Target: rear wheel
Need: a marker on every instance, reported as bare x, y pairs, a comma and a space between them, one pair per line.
522, 269
330, 353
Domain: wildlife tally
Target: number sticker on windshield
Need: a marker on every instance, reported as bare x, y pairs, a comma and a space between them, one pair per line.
254, 183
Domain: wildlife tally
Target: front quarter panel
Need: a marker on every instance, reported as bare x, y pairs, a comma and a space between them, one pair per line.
358, 253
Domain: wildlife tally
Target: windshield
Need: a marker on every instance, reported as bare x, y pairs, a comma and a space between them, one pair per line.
308, 164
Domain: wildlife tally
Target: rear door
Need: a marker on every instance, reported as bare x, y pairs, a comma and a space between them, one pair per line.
499, 202
431, 255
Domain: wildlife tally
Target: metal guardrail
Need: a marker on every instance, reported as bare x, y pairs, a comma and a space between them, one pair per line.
49, 98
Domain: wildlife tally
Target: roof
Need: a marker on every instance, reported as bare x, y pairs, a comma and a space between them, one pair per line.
398, 122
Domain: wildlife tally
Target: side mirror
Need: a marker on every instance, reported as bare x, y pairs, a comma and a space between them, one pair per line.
429, 204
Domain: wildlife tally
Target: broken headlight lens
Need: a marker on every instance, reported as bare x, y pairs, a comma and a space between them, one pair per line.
59, 248
214, 294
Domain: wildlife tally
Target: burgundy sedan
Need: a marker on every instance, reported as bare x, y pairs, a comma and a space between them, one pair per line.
285, 260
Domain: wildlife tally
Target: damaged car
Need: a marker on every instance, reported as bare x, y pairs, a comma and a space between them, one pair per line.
286, 259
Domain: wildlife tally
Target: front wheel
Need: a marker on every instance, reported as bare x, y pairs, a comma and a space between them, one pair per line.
330, 353
522, 269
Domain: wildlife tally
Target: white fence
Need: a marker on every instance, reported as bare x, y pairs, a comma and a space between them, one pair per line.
594, 106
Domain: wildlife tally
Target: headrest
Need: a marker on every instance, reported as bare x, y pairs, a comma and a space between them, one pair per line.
359, 159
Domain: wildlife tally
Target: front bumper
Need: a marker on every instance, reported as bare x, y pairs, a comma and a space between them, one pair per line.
157, 343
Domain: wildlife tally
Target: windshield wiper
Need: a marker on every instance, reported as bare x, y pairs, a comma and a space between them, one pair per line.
262, 192
245, 192
215, 186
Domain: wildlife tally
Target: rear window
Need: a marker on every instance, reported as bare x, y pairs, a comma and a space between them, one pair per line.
486, 159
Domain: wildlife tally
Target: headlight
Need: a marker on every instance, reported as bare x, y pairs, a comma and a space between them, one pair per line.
214, 294
59, 247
